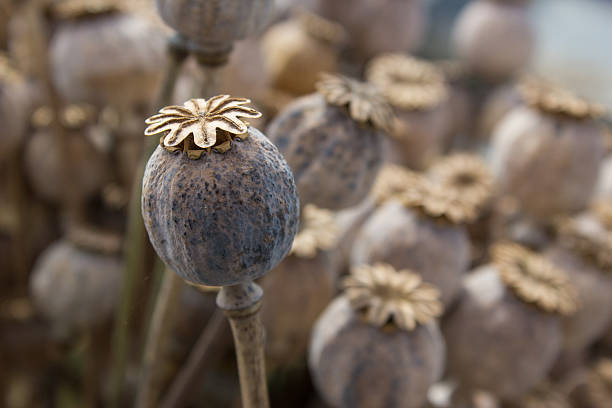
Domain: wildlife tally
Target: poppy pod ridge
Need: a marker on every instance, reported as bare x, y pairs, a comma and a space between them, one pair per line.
332, 141
506, 328
378, 342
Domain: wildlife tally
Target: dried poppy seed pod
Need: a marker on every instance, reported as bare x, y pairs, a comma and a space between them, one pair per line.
14, 107
505, 330
75, 282
332, 141
420, 228
299, 50
302, 285
554, 142
377, 344
400, 25
584, 251
418, 94
120, 55
212, 26
484, 27
227, 211
45, 168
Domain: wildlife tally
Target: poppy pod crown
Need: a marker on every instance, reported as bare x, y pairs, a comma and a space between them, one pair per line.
534, 279
386, 295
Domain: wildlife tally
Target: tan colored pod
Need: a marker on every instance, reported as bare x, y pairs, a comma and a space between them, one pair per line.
506, 330
484, 27
75, 288
400, 24
109, 58
547, 154
378, 345
332, 141
402, 237
297, 51
418, 93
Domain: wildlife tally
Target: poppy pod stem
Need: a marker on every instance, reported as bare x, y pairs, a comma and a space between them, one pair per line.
241, 304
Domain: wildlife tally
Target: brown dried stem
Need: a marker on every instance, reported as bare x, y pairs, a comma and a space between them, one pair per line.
242, 304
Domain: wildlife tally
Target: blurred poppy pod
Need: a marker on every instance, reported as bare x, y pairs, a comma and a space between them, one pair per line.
485, 27
583, 250
45, 159
226, 210
506, 328
418, 93
378, 341
420, 227
75, 282
399, 24
332, 141
301, 285
14, 107
299, 50
547, 154
212, 26
121, 55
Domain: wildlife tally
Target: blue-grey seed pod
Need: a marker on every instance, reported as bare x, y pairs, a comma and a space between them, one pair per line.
224, 218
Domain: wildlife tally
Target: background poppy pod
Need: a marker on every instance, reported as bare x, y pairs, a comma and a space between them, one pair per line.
224, 218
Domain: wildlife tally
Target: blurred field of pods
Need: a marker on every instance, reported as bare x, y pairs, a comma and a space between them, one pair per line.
452, 244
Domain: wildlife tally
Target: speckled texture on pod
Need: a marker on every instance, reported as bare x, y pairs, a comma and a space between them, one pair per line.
499, 343
549, 162
334, 159
358, 365
401, 237
224, 218
75, 288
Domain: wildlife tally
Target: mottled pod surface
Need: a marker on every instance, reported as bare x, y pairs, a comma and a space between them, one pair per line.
75, 288
355, 364
405, 239
549, 162
334, 159
215, 24
499, 343
224, 218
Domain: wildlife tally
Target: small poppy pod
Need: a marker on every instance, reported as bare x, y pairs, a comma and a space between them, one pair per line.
506, 329
302, 285
214, 25
420, 227
15, 103
378, 344
547, 154
75, 282
107, 57
299, 50
88, 168
400, 24
332, 141
225, 212
418, 93
484, 27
